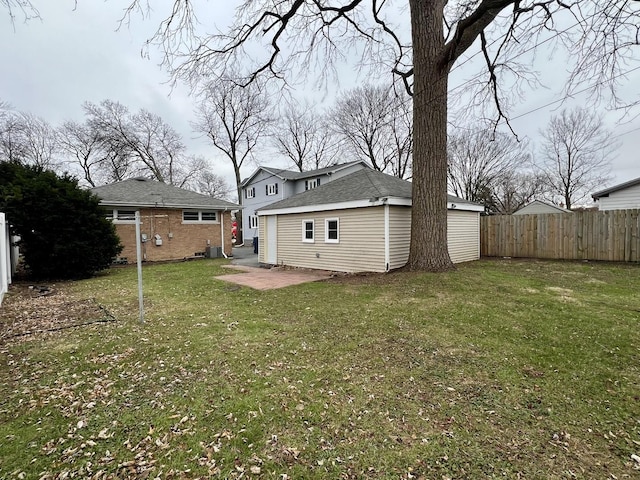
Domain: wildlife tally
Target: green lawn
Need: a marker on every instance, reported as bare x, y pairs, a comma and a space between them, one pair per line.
503, 369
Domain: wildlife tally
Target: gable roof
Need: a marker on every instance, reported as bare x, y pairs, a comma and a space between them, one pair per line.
285, 174
366, 185
143, 192
615, 188
555, 208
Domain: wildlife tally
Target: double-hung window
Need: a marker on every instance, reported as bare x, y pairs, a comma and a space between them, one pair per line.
250, 192
332, 230
308, 231
253, 221
272, 189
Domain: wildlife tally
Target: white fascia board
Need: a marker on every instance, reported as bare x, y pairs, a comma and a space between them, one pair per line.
401, 202
338, 206
398, 201
317, 208
467, 207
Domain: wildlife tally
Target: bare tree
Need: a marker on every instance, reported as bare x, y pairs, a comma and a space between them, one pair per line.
11, 147
296, 35
234, 119
514, 190
575, 155
28, 139
479, 161
375, 125
303, 136
85, 145
402, 138
213, 185
140, 143
22, 8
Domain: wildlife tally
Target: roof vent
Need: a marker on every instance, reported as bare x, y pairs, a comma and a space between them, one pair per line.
140, 179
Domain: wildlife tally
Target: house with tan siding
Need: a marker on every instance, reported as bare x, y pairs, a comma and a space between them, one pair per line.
619, 197
175, 223
358, 223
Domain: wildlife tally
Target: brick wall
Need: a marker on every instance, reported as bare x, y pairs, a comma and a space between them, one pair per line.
178, 240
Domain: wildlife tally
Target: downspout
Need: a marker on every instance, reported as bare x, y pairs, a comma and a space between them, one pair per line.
222, 232
386, 237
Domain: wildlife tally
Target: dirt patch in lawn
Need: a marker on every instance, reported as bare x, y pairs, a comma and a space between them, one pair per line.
29, 310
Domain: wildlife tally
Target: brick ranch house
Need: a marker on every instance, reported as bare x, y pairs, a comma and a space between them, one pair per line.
175, 223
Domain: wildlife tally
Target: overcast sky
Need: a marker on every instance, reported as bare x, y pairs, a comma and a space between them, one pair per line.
51, 66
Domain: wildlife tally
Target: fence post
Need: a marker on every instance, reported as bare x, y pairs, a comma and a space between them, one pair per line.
5, 264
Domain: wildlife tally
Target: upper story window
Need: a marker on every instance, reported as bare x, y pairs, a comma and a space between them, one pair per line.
272, 189
193, 216
250, 192
121, 216
309, 184
308, 231
332, 230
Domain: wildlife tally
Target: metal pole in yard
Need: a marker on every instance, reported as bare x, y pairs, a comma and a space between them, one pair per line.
139, 255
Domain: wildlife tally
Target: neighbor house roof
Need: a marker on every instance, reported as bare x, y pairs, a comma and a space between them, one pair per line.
615, 188
293, 175
549, 206
360, 188
143, 192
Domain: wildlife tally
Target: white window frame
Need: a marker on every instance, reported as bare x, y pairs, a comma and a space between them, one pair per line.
116, 214
311, 184
304, 231
272, 189
326, 230
200, 220
250, 192
253, 221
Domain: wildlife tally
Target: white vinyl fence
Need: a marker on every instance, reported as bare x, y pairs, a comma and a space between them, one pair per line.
5, 257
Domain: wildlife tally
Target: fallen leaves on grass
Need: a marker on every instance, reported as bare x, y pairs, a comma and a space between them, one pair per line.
26, 311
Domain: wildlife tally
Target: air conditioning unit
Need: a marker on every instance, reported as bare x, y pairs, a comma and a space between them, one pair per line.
213, 252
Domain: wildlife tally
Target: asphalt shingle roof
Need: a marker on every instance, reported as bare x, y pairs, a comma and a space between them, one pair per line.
146, 192
293, 175
363, 184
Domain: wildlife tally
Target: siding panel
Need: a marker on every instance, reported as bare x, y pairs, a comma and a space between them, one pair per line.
623, 199
463, 235
350, 255
399, 236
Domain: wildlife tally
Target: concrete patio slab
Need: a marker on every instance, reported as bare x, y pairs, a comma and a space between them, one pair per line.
267, 279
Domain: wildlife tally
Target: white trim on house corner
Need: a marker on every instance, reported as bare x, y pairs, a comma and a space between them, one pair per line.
387, 255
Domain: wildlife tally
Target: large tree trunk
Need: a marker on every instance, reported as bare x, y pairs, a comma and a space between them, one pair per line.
428, 249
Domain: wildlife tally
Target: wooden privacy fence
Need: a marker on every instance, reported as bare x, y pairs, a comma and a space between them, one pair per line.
612, 235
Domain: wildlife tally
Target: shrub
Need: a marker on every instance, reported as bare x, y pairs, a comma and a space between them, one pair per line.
63, 230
